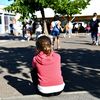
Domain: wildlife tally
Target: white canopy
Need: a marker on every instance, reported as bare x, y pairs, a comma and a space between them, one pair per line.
48, 13
93, 7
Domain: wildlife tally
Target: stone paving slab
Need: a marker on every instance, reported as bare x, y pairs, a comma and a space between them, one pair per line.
80, 72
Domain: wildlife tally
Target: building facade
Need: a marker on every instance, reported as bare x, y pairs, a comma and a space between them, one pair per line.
5, 20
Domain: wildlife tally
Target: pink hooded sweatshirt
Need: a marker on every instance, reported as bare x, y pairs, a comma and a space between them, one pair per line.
48, 69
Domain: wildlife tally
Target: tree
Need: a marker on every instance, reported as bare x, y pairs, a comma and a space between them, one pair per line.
65, 7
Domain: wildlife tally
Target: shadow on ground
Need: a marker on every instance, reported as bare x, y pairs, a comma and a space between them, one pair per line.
11, 37
15, 59
80, 68
23, 86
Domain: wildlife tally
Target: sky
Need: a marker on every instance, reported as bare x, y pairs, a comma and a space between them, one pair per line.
5, 2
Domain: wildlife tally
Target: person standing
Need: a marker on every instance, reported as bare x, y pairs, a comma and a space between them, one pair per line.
94, 29
76, 28
70, 28
38, 29
66, 28
55, 30
11, 28
50, 80
23, 29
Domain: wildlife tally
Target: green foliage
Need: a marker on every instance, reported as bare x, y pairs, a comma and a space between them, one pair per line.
70, 7
24, 7
65, 7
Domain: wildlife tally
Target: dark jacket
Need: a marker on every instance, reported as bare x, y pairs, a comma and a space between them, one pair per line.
94, 25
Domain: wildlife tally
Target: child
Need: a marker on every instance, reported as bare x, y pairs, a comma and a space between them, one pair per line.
48, 66
55, 28
28, 35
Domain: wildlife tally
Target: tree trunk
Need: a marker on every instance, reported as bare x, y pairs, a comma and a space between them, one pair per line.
44, 27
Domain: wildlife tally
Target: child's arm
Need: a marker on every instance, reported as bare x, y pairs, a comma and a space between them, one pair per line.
59, 25
33, 63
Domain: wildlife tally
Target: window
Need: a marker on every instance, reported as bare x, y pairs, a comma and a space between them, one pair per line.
0, 20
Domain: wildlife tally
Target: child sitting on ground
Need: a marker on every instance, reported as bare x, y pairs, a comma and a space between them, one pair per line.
48, 66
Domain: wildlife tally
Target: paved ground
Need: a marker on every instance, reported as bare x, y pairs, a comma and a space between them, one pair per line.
80, 68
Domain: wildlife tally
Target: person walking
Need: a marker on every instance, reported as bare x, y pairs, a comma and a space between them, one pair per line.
50, 80
94, 29
38, 29
23, 29
70, 28
55, 30
66, 28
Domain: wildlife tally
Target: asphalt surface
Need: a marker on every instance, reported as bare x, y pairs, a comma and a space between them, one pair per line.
80, 69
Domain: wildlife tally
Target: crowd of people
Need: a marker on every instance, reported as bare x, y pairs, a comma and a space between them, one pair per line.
25, 29
55, 27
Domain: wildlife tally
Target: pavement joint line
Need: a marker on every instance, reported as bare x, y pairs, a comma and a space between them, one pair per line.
78, 92
39, 96
20, 97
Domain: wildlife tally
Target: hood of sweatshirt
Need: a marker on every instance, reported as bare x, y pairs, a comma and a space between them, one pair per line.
42, 58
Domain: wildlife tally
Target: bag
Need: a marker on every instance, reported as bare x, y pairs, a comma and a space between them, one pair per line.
55, 28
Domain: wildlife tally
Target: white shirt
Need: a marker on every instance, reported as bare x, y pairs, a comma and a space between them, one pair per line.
51, 89
38, 28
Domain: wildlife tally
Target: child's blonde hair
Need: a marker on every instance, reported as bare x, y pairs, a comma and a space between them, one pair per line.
43, 43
